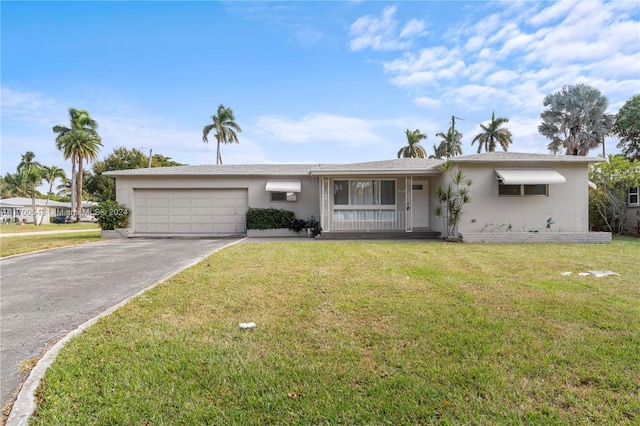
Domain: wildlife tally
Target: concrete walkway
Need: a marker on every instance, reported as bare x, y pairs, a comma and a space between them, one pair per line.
46, 295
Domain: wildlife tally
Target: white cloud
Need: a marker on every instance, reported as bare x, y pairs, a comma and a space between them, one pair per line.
427, 102
320, 127
381, 33
31, 107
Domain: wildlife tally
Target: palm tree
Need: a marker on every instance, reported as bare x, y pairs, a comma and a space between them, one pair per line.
225, 129
413, 149
31, 172
576, 119
78, 142
50, 174
493, 134
451, 144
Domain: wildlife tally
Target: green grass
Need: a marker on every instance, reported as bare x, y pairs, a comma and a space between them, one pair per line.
10, 229
27, 244
366, 333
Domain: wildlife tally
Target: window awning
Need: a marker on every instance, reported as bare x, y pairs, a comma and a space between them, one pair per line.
286, 186
529, 176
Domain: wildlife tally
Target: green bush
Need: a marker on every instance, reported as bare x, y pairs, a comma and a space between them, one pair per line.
112, 215
259, 218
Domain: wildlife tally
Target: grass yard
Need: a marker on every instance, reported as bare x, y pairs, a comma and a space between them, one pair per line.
27, 244
366, 333
10, 229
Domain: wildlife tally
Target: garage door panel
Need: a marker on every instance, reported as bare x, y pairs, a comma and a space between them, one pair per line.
180, 211
190, 210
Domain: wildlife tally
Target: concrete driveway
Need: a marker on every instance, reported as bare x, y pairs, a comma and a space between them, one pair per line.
46, 295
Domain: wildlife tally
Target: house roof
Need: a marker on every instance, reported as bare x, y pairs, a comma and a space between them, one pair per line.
220, 169
26, 202
490, 157
395, 166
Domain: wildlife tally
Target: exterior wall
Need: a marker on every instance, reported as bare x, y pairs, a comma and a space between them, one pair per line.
567, 204
632, 224
306, 205
538, 237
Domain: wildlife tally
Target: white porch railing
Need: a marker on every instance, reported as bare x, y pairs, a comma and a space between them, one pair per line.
367, 220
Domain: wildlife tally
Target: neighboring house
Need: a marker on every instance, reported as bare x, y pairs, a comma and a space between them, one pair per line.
512, 197
20, 209
632, 224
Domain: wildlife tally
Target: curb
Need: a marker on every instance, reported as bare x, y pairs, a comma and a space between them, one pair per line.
25, 403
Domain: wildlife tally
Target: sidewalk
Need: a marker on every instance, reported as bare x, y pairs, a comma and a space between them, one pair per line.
26, 234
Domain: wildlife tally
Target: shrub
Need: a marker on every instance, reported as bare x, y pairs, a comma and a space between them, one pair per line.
112, 215
269, 218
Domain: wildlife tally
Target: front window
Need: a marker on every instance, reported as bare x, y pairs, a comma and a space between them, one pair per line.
634, 194
522, 190
369, 192
285, 197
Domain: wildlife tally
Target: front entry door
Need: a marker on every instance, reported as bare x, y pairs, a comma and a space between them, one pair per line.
420, 203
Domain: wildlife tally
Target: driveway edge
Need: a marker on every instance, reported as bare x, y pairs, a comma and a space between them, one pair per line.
25, 403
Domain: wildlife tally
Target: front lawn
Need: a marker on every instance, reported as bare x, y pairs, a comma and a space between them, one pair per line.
11, 228
30, 243
366, 333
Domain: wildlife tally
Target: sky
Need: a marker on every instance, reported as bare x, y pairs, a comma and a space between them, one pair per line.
309, 82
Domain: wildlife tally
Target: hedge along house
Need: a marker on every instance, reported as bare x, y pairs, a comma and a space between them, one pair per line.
513, 197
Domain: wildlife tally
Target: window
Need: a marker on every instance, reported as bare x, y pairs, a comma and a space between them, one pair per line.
522, 190
633, 198
370, 192
286, 197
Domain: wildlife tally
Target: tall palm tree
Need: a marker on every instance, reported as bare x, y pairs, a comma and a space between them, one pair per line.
31, 172
413, 149
50, 174
576, 119
493, 134
78, 142
450, 145
225, 129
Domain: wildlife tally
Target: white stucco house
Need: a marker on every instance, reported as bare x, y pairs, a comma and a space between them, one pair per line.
20, 210
632, 224
513, 196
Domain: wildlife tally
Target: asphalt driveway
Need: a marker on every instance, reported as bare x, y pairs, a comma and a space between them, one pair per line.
46, 295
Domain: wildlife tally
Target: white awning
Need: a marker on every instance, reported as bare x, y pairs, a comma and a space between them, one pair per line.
529, 176
286, 186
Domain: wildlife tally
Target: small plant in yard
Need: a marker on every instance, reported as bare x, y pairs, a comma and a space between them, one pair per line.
314, 226
549, 223
112, 215
451, 198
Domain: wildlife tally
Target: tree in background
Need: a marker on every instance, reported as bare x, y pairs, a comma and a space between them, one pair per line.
609, 200
102, 187
450, 144
12, 185
576, 119
627, 128
31, 172
79, 142
51, 174
413, 148
225, 129
493, 134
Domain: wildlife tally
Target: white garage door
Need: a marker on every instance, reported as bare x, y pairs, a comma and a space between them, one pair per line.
190, 210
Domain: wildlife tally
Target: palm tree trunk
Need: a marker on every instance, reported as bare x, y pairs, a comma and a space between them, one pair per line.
33, 204
46, 203
73, 182
79, 193
219, 157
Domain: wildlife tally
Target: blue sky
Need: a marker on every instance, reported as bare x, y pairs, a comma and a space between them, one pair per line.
309, 82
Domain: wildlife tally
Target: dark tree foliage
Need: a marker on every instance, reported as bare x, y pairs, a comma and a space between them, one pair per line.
627, 128
103, 187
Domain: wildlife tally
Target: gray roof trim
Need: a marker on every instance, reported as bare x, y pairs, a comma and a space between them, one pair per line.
490, 157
